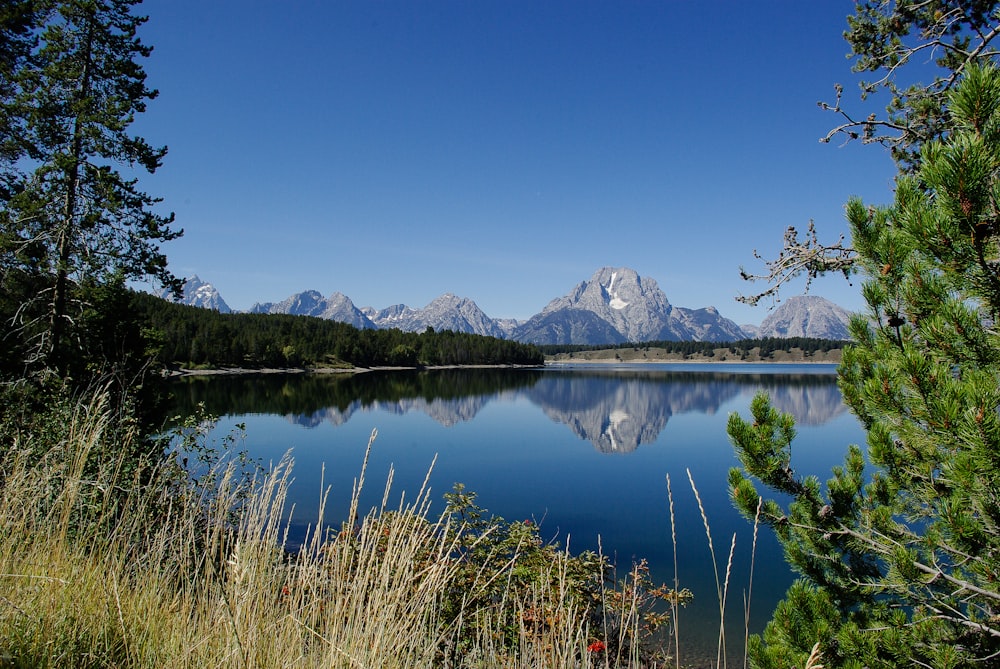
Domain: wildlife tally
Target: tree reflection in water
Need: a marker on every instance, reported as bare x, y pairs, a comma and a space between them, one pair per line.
502, 432
615, 410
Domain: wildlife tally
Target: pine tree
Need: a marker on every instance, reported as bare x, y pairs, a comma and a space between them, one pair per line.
899, 556
73, 219
913, 52
16, 41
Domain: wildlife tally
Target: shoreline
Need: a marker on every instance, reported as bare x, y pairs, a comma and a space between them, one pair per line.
552, 362
681, 361
234, 371
722, 355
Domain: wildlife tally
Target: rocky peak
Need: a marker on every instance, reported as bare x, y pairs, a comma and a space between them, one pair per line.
307, 303
198, 293
807, 316
633, 305
618, 305
338, 307
451, 312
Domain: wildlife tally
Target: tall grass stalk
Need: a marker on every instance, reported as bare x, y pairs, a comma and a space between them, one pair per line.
725, 595
721, 587
110, 568
748, 596
675, 602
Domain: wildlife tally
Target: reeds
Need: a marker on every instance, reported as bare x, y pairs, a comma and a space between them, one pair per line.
114, 569
675, 605
721, 586
722, 583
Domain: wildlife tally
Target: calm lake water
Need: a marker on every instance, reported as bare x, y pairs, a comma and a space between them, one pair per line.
582, 450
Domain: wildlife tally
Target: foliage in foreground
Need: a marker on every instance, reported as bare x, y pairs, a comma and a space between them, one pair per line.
101, 567
900, 563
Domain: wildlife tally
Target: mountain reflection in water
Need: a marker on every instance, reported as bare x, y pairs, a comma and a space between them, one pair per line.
616, 410
502, 432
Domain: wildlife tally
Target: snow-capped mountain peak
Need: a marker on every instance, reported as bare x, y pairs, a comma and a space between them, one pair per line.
615, 305
198, 293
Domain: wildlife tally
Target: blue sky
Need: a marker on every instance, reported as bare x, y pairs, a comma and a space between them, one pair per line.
499, 150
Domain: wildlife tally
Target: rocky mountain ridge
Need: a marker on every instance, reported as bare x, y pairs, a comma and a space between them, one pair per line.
337, 307
198, 293
807, 316
616, 305
448, 312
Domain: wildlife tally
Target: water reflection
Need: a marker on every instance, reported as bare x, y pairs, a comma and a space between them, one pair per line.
449, 396
535, 444
615, 410
618, 413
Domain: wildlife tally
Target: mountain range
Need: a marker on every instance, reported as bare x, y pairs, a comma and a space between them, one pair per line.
616, 305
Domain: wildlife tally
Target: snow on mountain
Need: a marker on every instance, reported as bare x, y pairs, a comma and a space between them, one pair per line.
633, 306
616, 305
198, 293
447, 312
337, 307
390, 317
508, 325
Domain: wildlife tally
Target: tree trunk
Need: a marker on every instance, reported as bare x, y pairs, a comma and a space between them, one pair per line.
57, 324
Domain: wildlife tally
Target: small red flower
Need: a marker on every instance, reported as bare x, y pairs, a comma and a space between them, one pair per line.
596, 647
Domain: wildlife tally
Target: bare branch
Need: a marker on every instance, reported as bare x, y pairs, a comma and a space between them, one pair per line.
807, 256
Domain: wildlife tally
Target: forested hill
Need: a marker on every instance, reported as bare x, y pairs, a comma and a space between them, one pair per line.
763, 348
187, 336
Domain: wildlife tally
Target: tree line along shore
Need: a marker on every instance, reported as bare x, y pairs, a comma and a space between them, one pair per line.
771, 349
195, 339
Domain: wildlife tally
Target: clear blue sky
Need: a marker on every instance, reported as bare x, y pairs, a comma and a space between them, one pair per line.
500, 150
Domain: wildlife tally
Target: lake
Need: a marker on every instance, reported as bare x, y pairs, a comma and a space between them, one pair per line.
582, 450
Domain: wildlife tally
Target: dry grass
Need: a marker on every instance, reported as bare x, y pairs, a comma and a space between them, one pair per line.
112, 572
748, 596
721, 585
